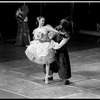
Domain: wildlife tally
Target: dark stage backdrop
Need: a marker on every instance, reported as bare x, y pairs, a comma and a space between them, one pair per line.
85, 15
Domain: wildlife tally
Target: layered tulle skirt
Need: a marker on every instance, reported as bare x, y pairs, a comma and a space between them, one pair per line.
40, 52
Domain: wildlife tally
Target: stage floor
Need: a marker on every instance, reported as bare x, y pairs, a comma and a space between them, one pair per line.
20, 78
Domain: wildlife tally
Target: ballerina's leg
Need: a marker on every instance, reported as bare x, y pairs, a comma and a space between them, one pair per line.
47, 73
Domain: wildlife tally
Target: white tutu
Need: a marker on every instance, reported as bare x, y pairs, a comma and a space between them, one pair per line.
40, 52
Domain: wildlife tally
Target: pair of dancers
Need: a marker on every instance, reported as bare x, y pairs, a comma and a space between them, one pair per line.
42, 49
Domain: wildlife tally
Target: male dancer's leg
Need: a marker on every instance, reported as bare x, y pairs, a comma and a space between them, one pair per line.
64, 70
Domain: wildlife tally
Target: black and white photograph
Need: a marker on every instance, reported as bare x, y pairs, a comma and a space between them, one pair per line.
49, 50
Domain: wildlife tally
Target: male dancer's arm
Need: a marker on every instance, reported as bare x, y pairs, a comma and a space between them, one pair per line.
59, 45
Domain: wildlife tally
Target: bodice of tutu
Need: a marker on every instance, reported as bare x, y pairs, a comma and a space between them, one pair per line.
45, 33
38, 33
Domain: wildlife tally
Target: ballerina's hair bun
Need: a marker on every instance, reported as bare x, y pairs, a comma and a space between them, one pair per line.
38, 18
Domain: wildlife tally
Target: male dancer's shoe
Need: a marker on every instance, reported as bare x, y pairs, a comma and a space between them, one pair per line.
66, 82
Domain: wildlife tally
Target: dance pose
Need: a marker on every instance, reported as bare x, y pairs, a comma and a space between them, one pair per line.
42, 49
